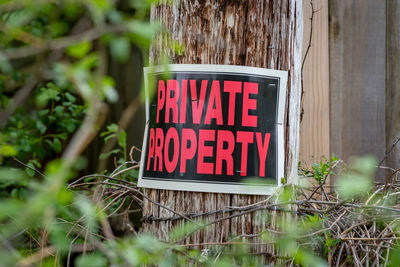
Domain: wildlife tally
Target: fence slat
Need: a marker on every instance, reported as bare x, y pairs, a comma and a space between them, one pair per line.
314, 132
357, 41
393, 81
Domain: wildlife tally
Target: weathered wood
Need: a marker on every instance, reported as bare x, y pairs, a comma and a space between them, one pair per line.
393, 81
357, 77
256, 33
314, 131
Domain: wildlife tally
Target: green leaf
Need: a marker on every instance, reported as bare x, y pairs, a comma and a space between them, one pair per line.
88, 211
18, 17
91, 260
357, 181
59, 236
58, 28
23, 193
5, 65
143, 32
36, 163
115, 16
98, 8
14, 193
59, 110
334, 158
57, 145
70, 126
63, 136
7, 151
122, 139
53, 167
307, 258
70, 97
394, 258
149, 243
30, 171
43, 112
133, 173
120, 49
42, 128
108, 137
366, 165
287, 194
10, 207
51, 92
79, 50
112, 127
88, 62
106, 155
353, 185
72, 10
109, 90
12, 176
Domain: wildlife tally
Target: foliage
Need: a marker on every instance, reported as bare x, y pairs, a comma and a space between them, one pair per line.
320, 170
54, 91
358, 179
114, 132
40, 133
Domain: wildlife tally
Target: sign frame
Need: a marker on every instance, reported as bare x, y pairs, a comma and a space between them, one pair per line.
212, 187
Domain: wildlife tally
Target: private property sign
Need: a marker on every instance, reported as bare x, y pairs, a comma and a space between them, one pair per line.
213, 128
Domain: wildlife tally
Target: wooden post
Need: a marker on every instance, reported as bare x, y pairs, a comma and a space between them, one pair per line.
257, 33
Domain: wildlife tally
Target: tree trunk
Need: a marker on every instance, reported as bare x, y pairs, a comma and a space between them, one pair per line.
258, 33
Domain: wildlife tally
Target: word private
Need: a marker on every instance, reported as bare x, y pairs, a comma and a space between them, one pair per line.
221, 127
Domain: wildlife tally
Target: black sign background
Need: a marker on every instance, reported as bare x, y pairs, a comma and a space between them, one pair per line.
267, 99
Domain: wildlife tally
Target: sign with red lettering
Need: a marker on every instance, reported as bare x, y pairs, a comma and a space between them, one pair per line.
214, 128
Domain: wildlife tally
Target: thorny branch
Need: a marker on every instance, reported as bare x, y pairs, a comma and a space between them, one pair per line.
364, 231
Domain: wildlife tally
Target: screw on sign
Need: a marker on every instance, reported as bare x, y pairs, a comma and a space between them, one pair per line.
214, 128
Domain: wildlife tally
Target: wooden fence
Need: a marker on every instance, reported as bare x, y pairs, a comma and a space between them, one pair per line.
352, 80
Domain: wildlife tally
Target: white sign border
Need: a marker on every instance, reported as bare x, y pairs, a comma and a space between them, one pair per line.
214, 187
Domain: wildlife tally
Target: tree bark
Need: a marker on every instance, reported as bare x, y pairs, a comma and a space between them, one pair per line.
258, 33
